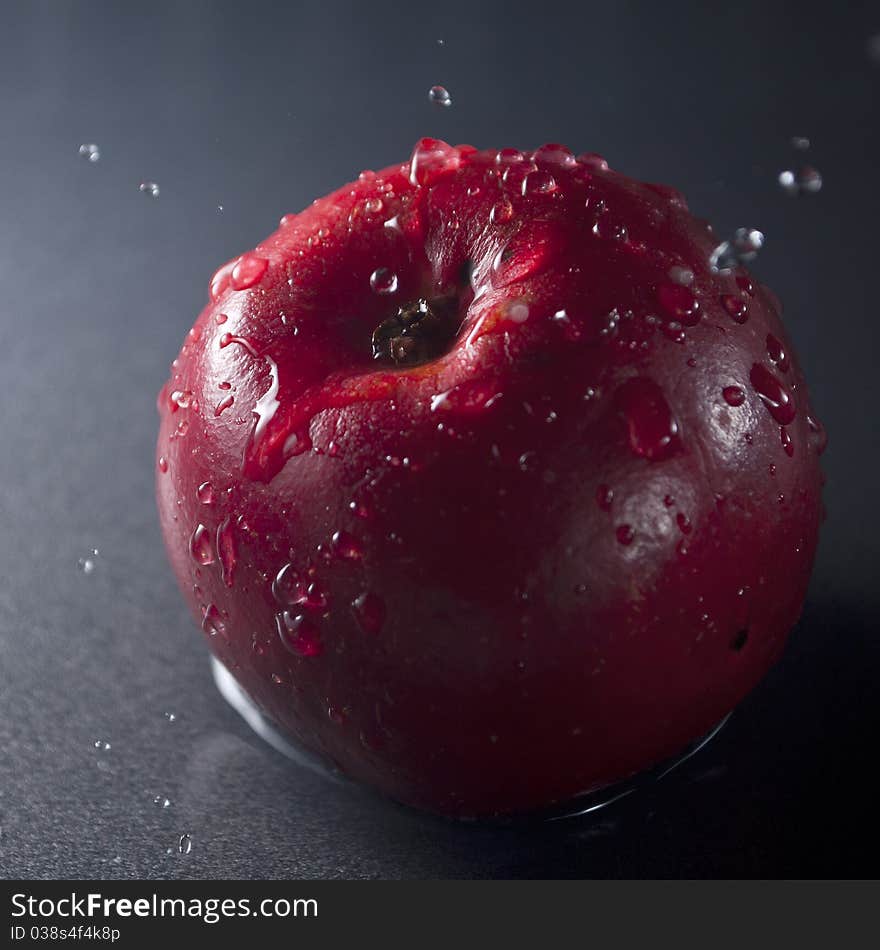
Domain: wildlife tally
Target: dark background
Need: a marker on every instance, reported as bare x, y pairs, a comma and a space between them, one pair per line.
259, 108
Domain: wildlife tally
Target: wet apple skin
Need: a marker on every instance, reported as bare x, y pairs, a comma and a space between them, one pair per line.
559, 596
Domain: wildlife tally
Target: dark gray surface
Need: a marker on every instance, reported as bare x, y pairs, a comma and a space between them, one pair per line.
260, 108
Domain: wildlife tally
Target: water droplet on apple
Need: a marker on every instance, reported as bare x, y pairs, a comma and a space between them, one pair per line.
514, 176
247, 271
213, 623
604, 497
773, 394
149, 188
220, 280
369, 609
679, 303
733, 395
223, 405
288, 587
346, 546
163, 464
90, 152
624, 534
681, 275
744, 282
610, 229
315, 598
439, 96
200, 546
336, 715
777, 353
736, 307
468, 397
539, 183
555, 155
205, 493
299, 634
226, 551
501, 213
383, 281
430, 159
683, 522
593, 160
652, 429
509, 156
817, 435
786, 440
266, 406
527, 461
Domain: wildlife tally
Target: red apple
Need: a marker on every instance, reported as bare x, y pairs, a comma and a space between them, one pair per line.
483, 484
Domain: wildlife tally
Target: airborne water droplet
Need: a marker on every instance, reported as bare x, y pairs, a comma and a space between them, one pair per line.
88, 564
805, 181
90, 152
439, 96
149, 188
184, 844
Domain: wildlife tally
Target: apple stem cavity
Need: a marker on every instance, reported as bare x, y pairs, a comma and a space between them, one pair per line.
418, 333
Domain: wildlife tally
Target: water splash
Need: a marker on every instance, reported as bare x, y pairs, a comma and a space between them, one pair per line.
743, 247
